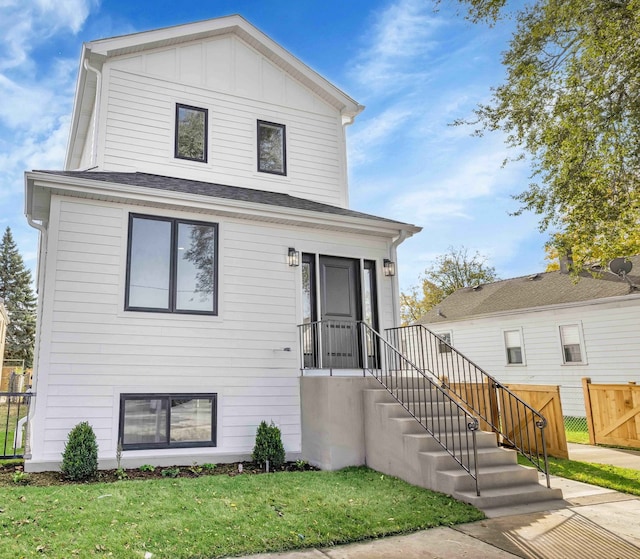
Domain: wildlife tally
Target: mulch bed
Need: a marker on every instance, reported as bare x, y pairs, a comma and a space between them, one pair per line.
12, 475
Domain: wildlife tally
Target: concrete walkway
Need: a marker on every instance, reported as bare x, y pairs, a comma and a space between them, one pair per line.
594, 523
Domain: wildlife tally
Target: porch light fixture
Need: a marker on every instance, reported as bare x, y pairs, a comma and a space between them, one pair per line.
293, 257
388, 267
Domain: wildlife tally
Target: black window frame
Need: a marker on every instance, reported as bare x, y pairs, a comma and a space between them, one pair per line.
213, 396
206, 133
282, 173
171, 307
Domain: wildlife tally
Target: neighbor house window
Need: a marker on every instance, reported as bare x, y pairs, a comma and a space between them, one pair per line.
171, 265
444, 343
513, 345
191, 133
167, 420
570, 340
272, 157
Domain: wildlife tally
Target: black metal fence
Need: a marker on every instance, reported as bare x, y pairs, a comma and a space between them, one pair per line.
14, 413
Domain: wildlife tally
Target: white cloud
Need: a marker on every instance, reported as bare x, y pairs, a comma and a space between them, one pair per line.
401, 35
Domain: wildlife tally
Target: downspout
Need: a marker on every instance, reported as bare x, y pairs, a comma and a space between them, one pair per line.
96, 110
395, 290
42, 262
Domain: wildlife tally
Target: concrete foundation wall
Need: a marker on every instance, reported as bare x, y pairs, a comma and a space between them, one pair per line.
333, 434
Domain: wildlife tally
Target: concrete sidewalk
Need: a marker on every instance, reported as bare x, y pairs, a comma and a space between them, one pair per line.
594, 523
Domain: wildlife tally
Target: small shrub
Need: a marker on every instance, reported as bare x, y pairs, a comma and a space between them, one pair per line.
195, 469
121, 473
147, 468
80, 456
208, 467
301, 465
268, 446
171, 472
21, 478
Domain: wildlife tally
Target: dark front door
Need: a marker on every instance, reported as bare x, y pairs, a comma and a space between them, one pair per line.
340, 309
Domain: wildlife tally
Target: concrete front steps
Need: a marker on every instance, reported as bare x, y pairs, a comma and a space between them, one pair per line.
396, 444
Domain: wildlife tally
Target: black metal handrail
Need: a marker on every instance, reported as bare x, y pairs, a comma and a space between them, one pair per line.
355, 345
14, 409
519, 425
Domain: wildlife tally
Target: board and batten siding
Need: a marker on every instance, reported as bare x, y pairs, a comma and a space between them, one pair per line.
138, 119
611, 346
91, 350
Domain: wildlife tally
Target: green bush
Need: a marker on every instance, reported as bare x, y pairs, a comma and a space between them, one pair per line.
80, 456
268, 446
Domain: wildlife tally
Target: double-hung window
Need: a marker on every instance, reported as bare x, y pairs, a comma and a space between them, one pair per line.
272, 149
167, 420
444, 343
191, 133
171, 265
571, 346
513, 346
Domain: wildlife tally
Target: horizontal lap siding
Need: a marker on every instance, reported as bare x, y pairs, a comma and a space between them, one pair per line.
140, 113
95, 350
611, 340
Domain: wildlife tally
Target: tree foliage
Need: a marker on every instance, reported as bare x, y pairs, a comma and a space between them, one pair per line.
570, 101
20, 301
450, 271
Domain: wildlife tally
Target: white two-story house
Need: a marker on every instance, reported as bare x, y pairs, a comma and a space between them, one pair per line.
202, 215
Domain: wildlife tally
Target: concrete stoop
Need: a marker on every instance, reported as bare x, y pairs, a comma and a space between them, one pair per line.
396, 444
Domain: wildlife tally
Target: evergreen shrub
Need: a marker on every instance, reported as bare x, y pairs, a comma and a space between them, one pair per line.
268, 446
80, 456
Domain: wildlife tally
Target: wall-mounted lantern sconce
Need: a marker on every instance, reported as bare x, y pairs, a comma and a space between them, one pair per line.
388, 267
293, 257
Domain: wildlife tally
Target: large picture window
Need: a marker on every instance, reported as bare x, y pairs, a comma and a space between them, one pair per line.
167, 420
191, 133
171, 265
272, 156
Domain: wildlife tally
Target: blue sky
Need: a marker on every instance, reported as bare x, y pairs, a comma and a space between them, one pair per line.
414, 69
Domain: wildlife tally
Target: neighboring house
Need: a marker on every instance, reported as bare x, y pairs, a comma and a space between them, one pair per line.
201, 216
548, 328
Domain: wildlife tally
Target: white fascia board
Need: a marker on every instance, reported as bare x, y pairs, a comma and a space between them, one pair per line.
147, 40
196, 202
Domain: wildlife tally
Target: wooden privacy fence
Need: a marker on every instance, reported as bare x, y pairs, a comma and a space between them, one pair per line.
545, 399
519, 427
613, 413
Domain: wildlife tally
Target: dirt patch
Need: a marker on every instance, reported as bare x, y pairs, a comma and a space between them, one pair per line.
12, 475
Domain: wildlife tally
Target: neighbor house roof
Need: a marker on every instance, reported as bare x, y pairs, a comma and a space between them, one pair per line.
534, 291
150, 184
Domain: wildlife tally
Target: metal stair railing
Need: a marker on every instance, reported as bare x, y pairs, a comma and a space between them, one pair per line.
519, 425
324, 345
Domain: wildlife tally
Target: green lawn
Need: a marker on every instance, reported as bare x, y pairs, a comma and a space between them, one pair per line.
576, 430
9, 418
215, 516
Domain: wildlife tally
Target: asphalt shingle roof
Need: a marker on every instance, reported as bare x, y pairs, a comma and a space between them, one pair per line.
537, 290
214, 190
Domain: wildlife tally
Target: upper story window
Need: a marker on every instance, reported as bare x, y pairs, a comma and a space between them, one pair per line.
272, 153
171, 265
571, 346
191, 133
513, 346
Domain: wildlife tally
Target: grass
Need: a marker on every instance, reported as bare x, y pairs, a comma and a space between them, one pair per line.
216, 516
576, 430
624, 480
9, 417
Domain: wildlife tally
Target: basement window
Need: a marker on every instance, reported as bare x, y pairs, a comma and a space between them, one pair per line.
167, 420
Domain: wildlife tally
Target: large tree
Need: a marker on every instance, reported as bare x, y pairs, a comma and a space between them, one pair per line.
571, 101
20, 301
448, 272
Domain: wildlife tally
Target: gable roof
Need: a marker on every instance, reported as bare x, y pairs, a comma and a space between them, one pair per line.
145, 183
95, 53
529, 292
